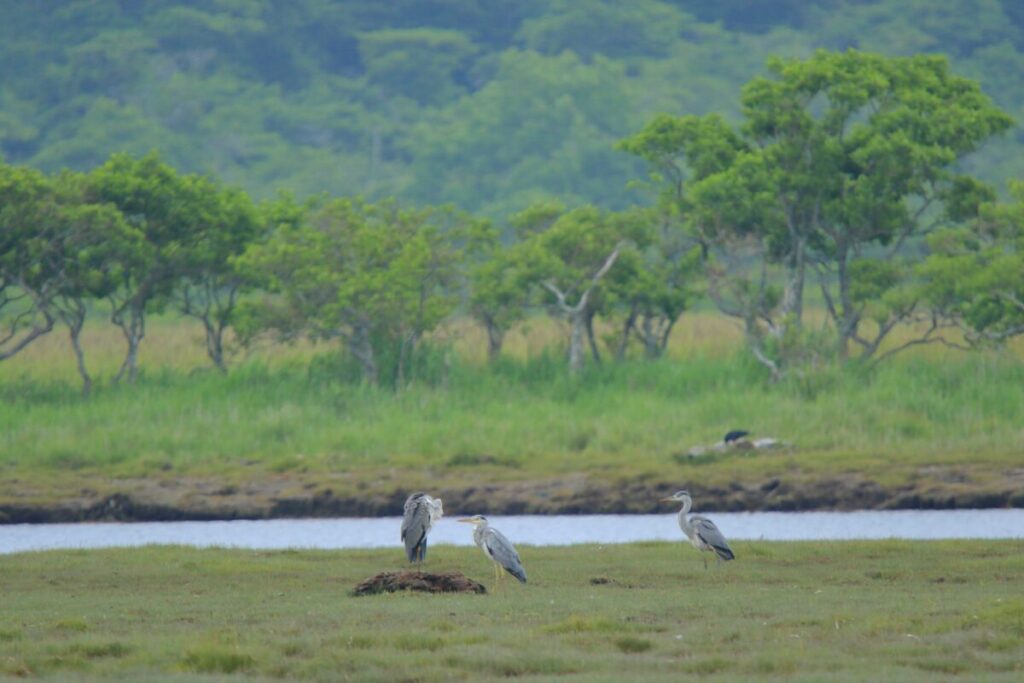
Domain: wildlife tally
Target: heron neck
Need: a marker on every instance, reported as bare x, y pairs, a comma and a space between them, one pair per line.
686, 507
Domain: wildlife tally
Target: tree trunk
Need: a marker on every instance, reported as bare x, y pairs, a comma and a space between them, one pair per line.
72, 312
627, 329
405, 350
215, 344
846, 326
577, 330
134, 329
793, 297
594, 350
83, 371
361, 347
11, 344
213, 308
495, 339
652, 339
754, 344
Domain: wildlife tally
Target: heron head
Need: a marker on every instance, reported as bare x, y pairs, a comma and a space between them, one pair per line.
475, 520
678, 497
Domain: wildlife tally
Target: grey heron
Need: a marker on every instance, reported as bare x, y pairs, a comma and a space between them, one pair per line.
496, 547
701, 531
420, 513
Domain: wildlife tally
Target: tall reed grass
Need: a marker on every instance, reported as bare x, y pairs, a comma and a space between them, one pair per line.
298, 407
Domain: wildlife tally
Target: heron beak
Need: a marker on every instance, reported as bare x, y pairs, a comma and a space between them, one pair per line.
466, 520
667, 500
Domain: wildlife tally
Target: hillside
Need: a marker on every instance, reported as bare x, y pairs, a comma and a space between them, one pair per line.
490, 105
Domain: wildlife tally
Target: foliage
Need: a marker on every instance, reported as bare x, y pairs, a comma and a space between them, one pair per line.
209, 280
492, 106
161, 204
975, 274
839, 154
567, 255
368, 274
29, 263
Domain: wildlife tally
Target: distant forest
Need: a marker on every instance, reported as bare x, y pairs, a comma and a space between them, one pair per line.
488, 104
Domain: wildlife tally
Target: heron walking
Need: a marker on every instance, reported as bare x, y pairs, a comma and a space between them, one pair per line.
421, 511
498, 548
701, 531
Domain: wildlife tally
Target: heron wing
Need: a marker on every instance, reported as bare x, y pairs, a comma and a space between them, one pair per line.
708, 533
415, 524
504, 553
436, 508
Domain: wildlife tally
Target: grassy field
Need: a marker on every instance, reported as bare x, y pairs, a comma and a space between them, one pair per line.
286, 412
848, 611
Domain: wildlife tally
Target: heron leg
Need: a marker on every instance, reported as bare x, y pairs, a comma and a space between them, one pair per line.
705, 564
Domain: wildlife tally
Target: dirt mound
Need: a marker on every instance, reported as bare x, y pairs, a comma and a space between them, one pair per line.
414, 580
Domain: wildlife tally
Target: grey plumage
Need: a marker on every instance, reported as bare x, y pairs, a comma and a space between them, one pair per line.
420, 513
498, 548
701, 531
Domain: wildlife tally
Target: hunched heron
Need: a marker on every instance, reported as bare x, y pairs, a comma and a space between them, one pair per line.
420, 513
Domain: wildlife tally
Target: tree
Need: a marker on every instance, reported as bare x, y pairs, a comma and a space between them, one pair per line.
891, 133
974, 277
654, 288
160, 204
842, 158
421, 63
29, 262
588, 27
568, 257
499, 291
226, 222
371, 275
93, 242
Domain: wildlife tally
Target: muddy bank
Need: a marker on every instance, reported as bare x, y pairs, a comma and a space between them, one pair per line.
281, 498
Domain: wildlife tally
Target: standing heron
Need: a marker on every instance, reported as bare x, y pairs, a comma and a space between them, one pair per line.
421, 511
701, 531
498, 548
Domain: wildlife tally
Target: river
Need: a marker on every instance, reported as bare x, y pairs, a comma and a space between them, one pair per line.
524, 530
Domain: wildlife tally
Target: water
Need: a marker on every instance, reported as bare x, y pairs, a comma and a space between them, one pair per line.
523, 530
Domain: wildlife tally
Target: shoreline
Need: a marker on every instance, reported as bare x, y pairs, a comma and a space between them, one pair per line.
209, 500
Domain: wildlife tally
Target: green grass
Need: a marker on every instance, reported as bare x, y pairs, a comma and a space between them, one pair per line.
291, 413
848, 611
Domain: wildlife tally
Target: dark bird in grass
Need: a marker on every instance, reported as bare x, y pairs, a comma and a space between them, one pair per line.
735, 435
421, 511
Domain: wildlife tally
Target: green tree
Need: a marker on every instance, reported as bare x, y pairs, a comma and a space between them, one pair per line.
614, 29
499, 290
371, 275
422, 64
974, 277
568, 258
93, 242
842, 158
159, 203
653, 290
226, 222
29, 261
541, 127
